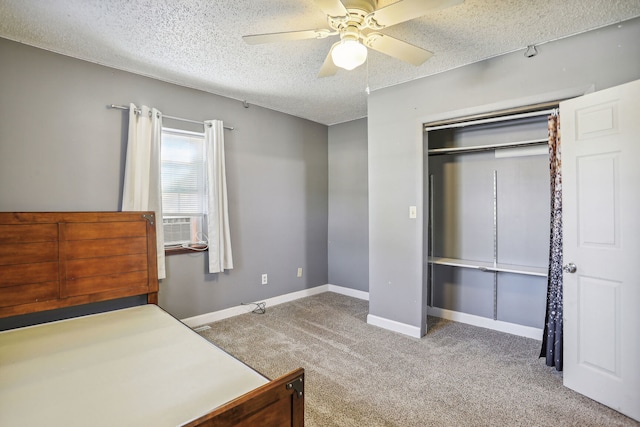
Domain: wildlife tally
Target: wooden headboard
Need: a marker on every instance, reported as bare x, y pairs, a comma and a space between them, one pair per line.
51, 260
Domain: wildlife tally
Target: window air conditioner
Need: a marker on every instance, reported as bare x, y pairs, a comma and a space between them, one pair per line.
177, 230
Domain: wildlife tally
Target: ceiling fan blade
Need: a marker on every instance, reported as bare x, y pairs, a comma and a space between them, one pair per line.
328, 67
405, 10
397, 48
332, 7
286, 36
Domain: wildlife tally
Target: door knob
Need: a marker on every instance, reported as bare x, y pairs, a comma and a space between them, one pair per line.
570, 268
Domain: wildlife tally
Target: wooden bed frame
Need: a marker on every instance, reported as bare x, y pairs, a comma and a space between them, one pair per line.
62, 259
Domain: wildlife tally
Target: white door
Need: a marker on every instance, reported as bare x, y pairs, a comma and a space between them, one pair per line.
601, 215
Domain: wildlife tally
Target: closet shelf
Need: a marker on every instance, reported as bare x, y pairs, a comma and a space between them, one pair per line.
490, 266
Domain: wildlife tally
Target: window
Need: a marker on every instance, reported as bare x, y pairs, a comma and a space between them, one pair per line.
183, 177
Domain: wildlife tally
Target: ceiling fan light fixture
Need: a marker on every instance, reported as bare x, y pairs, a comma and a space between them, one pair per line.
349, 54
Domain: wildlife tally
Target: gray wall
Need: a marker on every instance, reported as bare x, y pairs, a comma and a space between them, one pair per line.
595, 60
348, 206
62, 149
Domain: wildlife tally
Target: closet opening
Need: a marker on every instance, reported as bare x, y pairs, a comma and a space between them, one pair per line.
487, 221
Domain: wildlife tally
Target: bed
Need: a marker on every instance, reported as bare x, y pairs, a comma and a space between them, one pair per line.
124, 367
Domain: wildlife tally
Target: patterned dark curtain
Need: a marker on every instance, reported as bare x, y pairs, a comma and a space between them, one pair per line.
552, 338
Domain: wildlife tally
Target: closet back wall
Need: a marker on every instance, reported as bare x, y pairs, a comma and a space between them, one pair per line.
61, 149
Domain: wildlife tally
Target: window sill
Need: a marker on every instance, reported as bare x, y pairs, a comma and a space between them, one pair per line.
182, 250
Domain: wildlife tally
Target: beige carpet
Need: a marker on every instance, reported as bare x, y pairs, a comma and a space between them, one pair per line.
361, 375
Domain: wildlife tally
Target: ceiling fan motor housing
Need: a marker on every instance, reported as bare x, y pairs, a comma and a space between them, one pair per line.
366, 6
350, 26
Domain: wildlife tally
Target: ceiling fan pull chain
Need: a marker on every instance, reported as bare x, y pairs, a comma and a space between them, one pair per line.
367, 68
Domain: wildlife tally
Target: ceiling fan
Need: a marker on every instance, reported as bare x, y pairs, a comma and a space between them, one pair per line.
358, 23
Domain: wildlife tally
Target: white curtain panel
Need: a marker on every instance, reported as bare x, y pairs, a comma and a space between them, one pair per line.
142, 186
220, 257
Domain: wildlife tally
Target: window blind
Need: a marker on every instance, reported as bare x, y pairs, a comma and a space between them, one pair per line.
183, 173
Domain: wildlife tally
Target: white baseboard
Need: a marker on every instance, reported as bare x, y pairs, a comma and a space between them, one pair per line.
484, 322
381, 322
392, 325
214, 316
349, 292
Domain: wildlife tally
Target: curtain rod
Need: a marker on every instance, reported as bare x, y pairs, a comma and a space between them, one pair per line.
124, 107
495, 116
490, 120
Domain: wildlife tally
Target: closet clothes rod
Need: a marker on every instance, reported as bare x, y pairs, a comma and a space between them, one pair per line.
487, 147
124, 107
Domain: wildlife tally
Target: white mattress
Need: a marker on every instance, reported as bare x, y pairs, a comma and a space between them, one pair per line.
137, 366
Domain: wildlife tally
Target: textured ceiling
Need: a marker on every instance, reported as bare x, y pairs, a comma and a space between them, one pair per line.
198, 43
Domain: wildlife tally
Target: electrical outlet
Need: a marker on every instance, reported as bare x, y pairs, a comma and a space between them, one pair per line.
264, 279
299, 271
